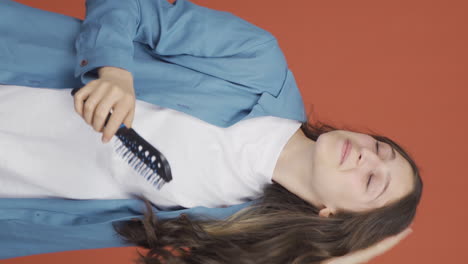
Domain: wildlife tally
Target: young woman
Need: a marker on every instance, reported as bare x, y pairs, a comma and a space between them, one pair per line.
216, 97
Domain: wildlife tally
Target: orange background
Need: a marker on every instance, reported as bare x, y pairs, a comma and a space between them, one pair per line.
399, 67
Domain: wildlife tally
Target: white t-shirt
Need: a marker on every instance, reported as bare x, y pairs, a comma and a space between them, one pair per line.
48, 150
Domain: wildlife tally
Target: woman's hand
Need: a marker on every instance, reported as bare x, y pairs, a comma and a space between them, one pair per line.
363, 256
113, 90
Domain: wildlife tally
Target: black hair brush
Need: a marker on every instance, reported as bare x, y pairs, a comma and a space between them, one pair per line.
145, 159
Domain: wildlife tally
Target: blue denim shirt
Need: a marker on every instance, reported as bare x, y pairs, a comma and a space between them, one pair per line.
35, 226
203, 62
206, 63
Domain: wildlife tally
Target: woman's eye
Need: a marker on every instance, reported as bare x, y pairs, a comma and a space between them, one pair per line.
370, 178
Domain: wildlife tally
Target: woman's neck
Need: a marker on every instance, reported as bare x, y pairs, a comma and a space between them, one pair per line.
294, 167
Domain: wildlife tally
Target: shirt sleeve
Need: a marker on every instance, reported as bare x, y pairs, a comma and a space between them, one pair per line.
213, 42
105, 37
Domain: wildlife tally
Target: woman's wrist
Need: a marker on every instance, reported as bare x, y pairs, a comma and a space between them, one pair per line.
114, 71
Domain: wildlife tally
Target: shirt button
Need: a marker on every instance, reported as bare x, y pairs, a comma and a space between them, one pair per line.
83, 63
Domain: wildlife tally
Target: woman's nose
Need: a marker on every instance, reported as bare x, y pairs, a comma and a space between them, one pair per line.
366, 155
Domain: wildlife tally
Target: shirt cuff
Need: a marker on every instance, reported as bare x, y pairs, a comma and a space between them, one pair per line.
89, 62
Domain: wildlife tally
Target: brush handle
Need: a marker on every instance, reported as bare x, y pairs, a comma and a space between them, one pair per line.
141, 155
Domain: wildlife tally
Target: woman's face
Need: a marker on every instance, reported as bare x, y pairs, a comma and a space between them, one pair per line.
368, 177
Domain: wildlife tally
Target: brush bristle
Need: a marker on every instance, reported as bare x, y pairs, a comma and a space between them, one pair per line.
142, 157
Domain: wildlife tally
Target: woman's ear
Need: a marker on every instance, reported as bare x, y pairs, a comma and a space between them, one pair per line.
326, 212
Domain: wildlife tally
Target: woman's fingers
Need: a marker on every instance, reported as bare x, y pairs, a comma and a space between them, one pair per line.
88, 98
123, 110
113, 95
81, 96
93, 102
108, 94
363, 256
129, 119
102, 111
118, 115
388, 243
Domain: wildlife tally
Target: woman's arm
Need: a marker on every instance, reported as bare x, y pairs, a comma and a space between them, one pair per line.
209, 41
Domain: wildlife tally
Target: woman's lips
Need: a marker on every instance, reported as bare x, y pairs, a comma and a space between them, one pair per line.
345, 151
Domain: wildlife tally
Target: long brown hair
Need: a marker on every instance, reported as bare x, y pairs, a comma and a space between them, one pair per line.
279, 228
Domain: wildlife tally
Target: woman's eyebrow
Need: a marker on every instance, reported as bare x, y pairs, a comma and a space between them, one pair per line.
393, 153
386, 186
